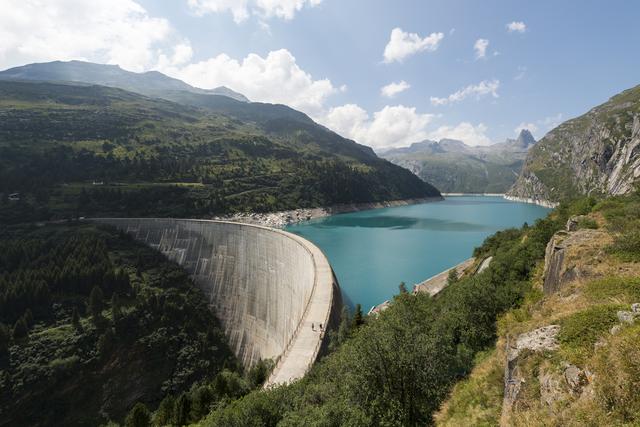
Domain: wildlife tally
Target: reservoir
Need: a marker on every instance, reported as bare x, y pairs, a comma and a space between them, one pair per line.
373, 251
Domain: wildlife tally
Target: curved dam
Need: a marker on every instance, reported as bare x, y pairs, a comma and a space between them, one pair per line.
266, 286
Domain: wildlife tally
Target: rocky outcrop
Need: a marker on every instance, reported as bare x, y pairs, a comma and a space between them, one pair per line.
597, 153
571, 255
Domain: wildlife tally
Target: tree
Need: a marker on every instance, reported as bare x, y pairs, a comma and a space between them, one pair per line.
75, 320
358, 318
5, 337
96, 303
28, 317
116, 307
453, 276
403, 288
165, 413
183, 410
105, 342
20, 329
139, 416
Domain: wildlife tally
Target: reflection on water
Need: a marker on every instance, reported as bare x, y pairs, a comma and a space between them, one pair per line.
398, 223
373, 251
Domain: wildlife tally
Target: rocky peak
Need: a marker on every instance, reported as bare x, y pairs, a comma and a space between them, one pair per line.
525, 139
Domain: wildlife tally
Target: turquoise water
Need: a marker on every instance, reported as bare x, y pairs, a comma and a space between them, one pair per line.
373, 251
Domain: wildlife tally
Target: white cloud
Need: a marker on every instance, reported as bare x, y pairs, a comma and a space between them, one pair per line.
402, 44
275, 78
243, 9
466, 132
111, 31
480, 46
485, 87
392, 89
516, 27
393, 126
531, 127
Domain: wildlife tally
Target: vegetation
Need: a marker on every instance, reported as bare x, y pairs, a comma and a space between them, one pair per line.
74, 150
592, 338
397, 368
86, 311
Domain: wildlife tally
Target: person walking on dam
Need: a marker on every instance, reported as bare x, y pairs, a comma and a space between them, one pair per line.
313, 327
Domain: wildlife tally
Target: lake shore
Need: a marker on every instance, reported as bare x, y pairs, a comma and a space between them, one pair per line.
281, 219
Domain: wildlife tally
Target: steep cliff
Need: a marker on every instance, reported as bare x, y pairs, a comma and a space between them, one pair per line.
595, 154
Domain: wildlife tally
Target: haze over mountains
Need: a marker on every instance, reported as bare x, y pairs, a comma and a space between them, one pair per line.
151, 83
170, 149
454, 167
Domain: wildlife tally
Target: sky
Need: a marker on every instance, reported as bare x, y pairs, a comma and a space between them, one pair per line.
385, 73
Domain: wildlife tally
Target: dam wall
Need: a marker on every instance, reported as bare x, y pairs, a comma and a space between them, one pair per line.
266, 286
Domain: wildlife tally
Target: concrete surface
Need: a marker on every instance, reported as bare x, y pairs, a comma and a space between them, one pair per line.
266, 286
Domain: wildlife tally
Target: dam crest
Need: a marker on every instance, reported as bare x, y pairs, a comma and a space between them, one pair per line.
266, 286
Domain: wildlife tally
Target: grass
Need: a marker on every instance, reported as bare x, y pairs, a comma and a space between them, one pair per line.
613, 289
477, 400
580, 331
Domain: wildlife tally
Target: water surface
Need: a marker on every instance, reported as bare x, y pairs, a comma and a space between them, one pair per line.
373, 251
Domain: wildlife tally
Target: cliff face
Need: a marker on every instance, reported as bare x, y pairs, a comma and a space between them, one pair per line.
597, 153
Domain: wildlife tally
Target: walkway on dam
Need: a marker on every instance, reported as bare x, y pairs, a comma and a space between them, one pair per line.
303, 350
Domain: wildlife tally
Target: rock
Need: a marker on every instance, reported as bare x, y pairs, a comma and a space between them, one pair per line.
572, 223
550, 389
626, 316
576, 378
540, 339
615, 329
635, 307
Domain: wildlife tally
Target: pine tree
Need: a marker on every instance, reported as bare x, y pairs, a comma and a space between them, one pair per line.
183, 410
139, 416
28, 317
358, 318
20, 329
5, 338
453, 276
403, 288
165, 413
75, 320
116, 307
96, 303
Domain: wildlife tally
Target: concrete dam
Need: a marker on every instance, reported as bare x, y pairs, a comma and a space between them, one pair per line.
266, 286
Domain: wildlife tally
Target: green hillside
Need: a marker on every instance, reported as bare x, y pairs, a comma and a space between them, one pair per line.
92, 322
80, 150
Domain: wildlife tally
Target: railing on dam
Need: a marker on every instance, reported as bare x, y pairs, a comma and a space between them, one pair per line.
266, 286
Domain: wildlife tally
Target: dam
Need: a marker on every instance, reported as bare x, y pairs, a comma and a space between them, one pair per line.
266, 286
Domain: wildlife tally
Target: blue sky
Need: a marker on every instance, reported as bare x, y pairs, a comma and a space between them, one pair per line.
326, 57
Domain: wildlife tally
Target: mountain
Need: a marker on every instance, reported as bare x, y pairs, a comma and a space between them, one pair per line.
151, 83
597, 153
454, 167
72, 149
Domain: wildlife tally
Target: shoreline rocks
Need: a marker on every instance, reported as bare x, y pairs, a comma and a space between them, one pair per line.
281, 219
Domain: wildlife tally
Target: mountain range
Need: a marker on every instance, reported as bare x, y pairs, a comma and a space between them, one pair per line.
112, 142
455, 167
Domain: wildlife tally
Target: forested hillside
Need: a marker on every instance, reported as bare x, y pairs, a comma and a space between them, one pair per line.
79, 150
92, 322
